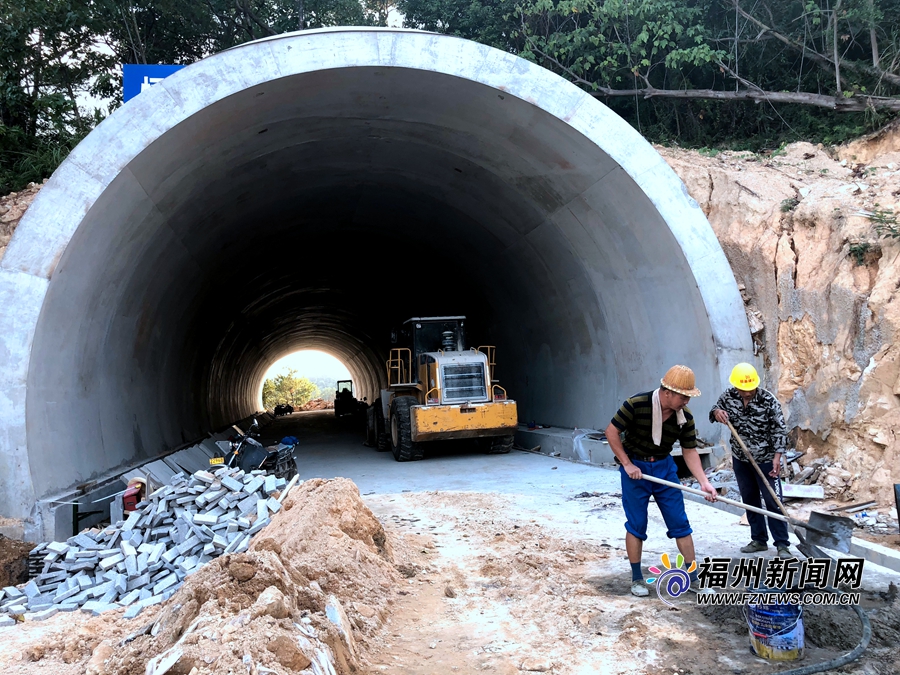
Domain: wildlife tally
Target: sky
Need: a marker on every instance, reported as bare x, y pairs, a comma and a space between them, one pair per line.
311, 363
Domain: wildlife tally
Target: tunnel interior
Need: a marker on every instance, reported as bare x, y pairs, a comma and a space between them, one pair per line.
318, 211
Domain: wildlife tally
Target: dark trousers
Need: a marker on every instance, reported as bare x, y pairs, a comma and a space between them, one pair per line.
751, 486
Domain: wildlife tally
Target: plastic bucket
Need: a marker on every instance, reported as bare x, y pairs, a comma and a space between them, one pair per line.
776, 631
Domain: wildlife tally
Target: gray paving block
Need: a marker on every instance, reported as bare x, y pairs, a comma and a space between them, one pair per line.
254, 485
121, 583
130, 597
42, 615
131, 566
188, 544
258, 525
133, 610
165, 583
273, 504
16, 609
31, 589
112, 561
58, 547
7, 621
65, 595
68, 606
262, 509
232, 484
128, 549
205, 519
131, 521
137, 582
156, 553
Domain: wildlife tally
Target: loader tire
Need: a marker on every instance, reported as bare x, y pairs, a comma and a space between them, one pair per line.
499, 445
382, 437
402, 445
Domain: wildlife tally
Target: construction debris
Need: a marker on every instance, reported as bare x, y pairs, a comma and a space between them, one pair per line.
144, 559
317, 404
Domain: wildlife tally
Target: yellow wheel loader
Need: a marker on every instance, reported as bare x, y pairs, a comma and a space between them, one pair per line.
439, 390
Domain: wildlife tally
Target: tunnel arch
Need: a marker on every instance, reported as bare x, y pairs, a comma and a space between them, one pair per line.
411, 173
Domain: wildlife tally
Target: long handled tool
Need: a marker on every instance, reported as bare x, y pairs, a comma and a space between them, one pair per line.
833, 532
824, 537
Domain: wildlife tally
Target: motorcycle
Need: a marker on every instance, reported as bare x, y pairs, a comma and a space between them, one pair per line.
243, 451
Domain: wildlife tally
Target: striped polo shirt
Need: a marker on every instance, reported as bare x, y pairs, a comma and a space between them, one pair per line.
635, 420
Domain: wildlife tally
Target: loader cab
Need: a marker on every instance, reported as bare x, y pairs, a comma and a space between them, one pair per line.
432, 334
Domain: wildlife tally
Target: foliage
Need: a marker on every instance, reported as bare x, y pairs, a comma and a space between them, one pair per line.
789, 204
54, 53
858, 250
48, 57
885, 223
670, 66
286, 387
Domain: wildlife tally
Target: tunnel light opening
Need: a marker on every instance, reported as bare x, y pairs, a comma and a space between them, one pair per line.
321, 368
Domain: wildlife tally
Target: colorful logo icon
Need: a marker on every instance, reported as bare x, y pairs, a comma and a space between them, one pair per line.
672, 581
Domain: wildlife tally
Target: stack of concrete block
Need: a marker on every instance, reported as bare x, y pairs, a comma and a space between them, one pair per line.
144, 559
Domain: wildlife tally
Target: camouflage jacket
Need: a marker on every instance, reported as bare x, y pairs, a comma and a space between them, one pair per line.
760, 424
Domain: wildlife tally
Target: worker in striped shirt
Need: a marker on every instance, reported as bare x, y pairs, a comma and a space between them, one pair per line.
651, 422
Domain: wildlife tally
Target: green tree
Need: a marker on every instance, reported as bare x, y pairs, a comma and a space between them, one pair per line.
286, 387
48, 58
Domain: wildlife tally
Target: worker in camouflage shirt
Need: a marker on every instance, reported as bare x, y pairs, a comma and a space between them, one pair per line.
756, 416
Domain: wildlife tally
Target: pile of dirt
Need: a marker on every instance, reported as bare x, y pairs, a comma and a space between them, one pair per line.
12, 208
317, 404
13, 561
311, 590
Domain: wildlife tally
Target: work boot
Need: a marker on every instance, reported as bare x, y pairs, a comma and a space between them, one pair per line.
639, 588
785, 552
755, 547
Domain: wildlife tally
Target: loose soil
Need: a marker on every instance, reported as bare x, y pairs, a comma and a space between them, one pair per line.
13, 561
496, 593
431, 583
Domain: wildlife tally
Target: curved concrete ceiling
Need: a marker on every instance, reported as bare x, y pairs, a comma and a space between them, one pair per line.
311, 191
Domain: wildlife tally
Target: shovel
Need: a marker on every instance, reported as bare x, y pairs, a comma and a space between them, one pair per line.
834, 532
824, 533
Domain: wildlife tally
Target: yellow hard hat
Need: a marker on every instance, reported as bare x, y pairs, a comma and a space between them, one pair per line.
744, 377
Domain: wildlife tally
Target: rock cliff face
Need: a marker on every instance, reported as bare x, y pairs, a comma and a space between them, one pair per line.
804, 233
12, 208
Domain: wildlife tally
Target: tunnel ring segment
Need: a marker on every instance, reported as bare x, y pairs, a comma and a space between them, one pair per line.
41, 239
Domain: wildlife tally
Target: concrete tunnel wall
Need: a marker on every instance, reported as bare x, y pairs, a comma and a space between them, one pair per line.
312, 190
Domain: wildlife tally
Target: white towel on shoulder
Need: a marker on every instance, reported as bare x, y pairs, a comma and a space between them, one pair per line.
656, 430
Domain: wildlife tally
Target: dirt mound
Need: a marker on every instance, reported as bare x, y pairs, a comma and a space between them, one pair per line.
317, 404
288, 602
12, 208
13, 561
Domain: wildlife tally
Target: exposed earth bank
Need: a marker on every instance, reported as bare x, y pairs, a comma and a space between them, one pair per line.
810, 233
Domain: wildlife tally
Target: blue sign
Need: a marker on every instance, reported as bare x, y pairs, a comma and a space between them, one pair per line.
137, 77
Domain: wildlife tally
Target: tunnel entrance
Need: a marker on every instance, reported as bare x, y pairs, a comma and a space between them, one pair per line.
316, 189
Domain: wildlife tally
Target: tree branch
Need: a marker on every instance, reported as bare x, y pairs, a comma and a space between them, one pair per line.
751, 93
845, 104
822, 60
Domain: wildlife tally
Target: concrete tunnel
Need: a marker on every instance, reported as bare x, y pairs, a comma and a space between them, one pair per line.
312, 190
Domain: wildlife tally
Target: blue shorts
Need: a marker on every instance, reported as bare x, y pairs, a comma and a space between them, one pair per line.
636, 497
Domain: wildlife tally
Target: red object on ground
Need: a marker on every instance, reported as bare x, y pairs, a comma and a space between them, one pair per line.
131, 498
